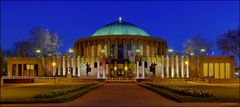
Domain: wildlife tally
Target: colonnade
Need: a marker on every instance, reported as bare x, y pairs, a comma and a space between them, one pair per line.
144, 46
167, 67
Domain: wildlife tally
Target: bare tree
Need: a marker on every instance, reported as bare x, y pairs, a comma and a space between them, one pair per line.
22, 48
197, 45
229, 43
47, 44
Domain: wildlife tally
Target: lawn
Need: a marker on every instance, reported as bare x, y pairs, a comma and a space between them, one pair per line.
24, 94
220, 92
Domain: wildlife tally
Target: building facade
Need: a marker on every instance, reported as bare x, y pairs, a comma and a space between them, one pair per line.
121, 49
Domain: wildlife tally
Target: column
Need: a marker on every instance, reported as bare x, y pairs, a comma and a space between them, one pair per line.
116, 49
137, 70
158, 67
107, 69
187, 69
92, 48
73, 66
156, 49
162, 67
16, 73
103, 72
79, 66
138, 48
182, 66
87, 49
64, 65
54, 67
79, 48
177, 68
23, 70
59, 66
83, 70
143, 48
68, 64
150, 49
143, 72
109, 49
98, 70
172, 66
167, 66
83, 49
124, 49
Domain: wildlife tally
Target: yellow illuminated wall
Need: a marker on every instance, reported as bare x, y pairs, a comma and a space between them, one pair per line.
210, 69
222, 70
216, 70
227, 70
205, 69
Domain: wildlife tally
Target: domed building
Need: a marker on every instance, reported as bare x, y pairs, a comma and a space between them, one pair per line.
119, 44
123, 50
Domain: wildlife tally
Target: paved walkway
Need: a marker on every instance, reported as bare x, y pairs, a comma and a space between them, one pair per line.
123, 94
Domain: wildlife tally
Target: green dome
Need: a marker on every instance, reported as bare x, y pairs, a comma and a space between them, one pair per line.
120, 28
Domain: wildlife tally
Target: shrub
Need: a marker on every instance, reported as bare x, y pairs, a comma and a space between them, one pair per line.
184, 91
58, 92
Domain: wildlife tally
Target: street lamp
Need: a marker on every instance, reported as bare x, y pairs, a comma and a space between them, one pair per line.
70, 50
54, 64
202, 50
170, 52
126, 68
186, 62
38, 50
192, 53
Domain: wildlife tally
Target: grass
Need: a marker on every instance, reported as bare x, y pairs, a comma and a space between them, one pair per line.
25, 94
221, 92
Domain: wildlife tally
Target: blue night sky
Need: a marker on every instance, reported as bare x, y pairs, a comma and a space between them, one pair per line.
173, 21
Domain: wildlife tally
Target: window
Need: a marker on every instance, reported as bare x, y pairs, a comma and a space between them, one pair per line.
216, 70
222, 70
227, 70
205, 69
210, 69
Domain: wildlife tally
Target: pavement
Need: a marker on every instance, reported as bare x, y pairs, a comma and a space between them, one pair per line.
123, 94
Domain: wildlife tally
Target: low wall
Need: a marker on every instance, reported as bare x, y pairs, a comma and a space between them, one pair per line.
64, 80
18, 80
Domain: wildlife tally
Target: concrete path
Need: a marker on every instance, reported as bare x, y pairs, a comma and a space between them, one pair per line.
123, 94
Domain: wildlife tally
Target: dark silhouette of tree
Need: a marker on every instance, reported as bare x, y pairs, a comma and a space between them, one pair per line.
195, 44
4, 55
229, 43
22, 48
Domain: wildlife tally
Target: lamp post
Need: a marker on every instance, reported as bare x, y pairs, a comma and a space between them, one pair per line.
54, 65
202, 54
38, 51
187, 64
202, 51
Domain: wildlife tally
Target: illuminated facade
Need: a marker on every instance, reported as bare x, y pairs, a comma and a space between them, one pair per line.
121, 49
